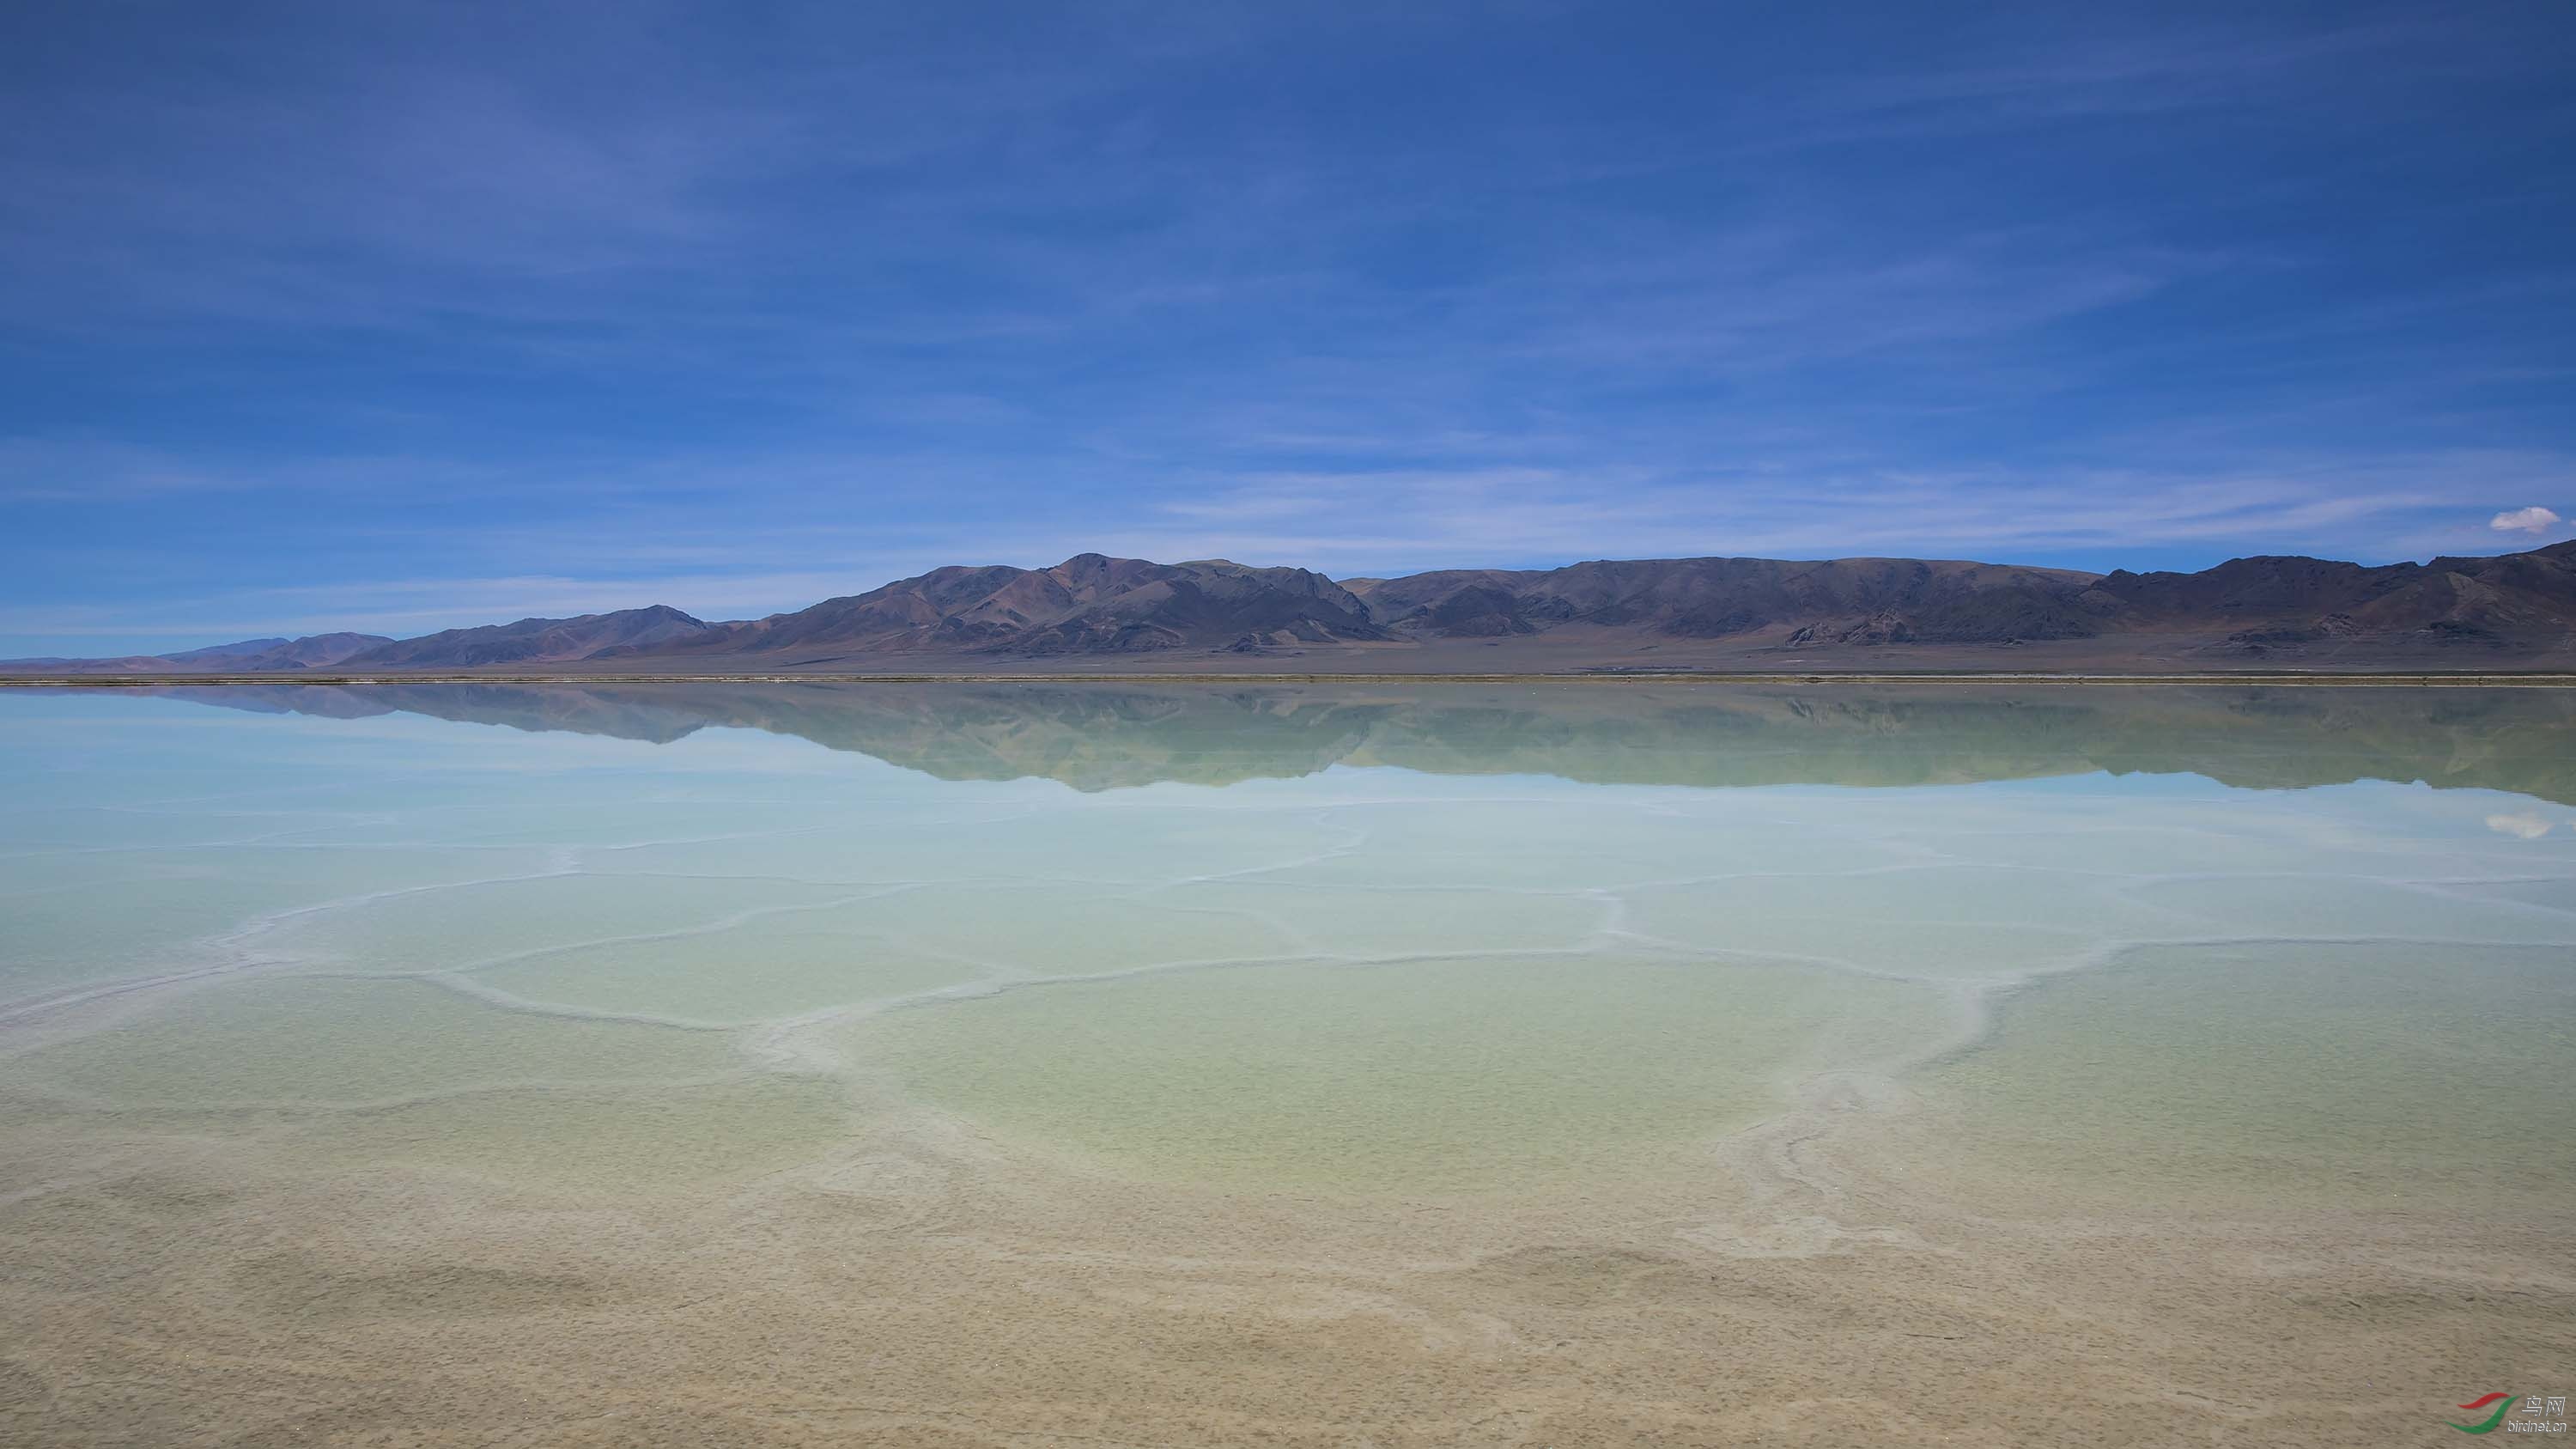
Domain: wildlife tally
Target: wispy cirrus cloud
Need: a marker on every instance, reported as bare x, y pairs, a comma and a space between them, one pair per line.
1522, 515
402, 317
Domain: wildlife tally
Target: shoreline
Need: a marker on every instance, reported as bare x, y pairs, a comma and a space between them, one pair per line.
2379, 678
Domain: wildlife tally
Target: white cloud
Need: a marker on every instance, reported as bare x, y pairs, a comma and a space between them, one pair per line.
2523, 825
2525, 520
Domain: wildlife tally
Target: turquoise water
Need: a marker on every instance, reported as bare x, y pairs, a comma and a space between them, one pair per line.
2165, 943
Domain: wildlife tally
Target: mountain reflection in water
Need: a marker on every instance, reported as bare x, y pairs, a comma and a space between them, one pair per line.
1104, 737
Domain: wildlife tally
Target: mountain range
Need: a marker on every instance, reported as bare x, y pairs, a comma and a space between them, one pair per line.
1092, 612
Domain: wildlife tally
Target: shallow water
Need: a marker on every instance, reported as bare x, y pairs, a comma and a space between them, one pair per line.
1447, 1074
1716, 966
1518, 958
2430, 1076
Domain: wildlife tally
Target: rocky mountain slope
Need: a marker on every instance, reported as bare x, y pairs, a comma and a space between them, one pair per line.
2514, 600
536, 641
2525, 601
1858, 600
1087, 604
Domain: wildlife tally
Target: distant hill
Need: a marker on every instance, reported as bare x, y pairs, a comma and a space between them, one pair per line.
2249, 605
1852, 600
1089, 604
535, 641
248, 656
2515, 601
2513, 611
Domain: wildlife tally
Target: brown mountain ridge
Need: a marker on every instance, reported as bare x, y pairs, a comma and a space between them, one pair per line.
2511, 611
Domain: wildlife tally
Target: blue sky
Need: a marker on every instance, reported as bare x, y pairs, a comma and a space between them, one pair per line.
399, 317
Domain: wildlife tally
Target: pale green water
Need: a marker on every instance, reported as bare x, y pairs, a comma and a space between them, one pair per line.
1377, 941
2356, 1076
273, 1041
765, 969
1432, 1074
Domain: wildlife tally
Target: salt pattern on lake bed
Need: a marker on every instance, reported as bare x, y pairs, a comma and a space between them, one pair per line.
554, 899
584, 995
